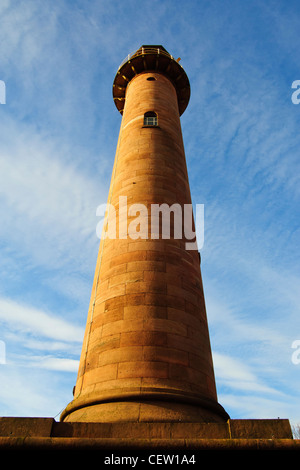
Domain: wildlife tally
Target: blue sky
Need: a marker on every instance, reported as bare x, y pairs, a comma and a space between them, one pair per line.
58, 134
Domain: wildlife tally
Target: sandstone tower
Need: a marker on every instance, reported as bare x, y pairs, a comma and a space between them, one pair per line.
146, 353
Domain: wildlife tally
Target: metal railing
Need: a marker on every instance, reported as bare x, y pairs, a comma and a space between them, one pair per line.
146, 50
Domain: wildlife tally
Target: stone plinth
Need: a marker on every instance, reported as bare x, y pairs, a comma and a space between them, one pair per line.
148, 438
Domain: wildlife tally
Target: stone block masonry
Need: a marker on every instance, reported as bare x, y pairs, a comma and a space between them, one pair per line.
146, 353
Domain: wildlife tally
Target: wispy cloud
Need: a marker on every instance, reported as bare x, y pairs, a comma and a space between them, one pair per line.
44, 346
44, 394
52, 363
36, 322
234, 374
260, 407
46, 202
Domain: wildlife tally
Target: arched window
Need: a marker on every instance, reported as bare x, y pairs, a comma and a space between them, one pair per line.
150, 118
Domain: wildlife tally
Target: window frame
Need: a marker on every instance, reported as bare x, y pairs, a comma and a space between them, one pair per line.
150, 119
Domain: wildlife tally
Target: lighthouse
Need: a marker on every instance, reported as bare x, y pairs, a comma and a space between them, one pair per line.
146, 352
146, 378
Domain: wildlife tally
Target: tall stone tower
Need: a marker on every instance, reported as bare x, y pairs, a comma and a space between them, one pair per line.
146, 353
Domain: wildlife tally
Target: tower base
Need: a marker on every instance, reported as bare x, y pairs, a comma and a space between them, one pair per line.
136, 412
146, 440
144, 406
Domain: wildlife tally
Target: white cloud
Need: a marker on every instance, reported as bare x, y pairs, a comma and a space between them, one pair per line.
239, 328
42, 345
46, 202
236, 374
52, 363
33, 391
36, 322
256, 407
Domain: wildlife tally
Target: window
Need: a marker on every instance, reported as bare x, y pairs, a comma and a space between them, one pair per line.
150, 118
151, 79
